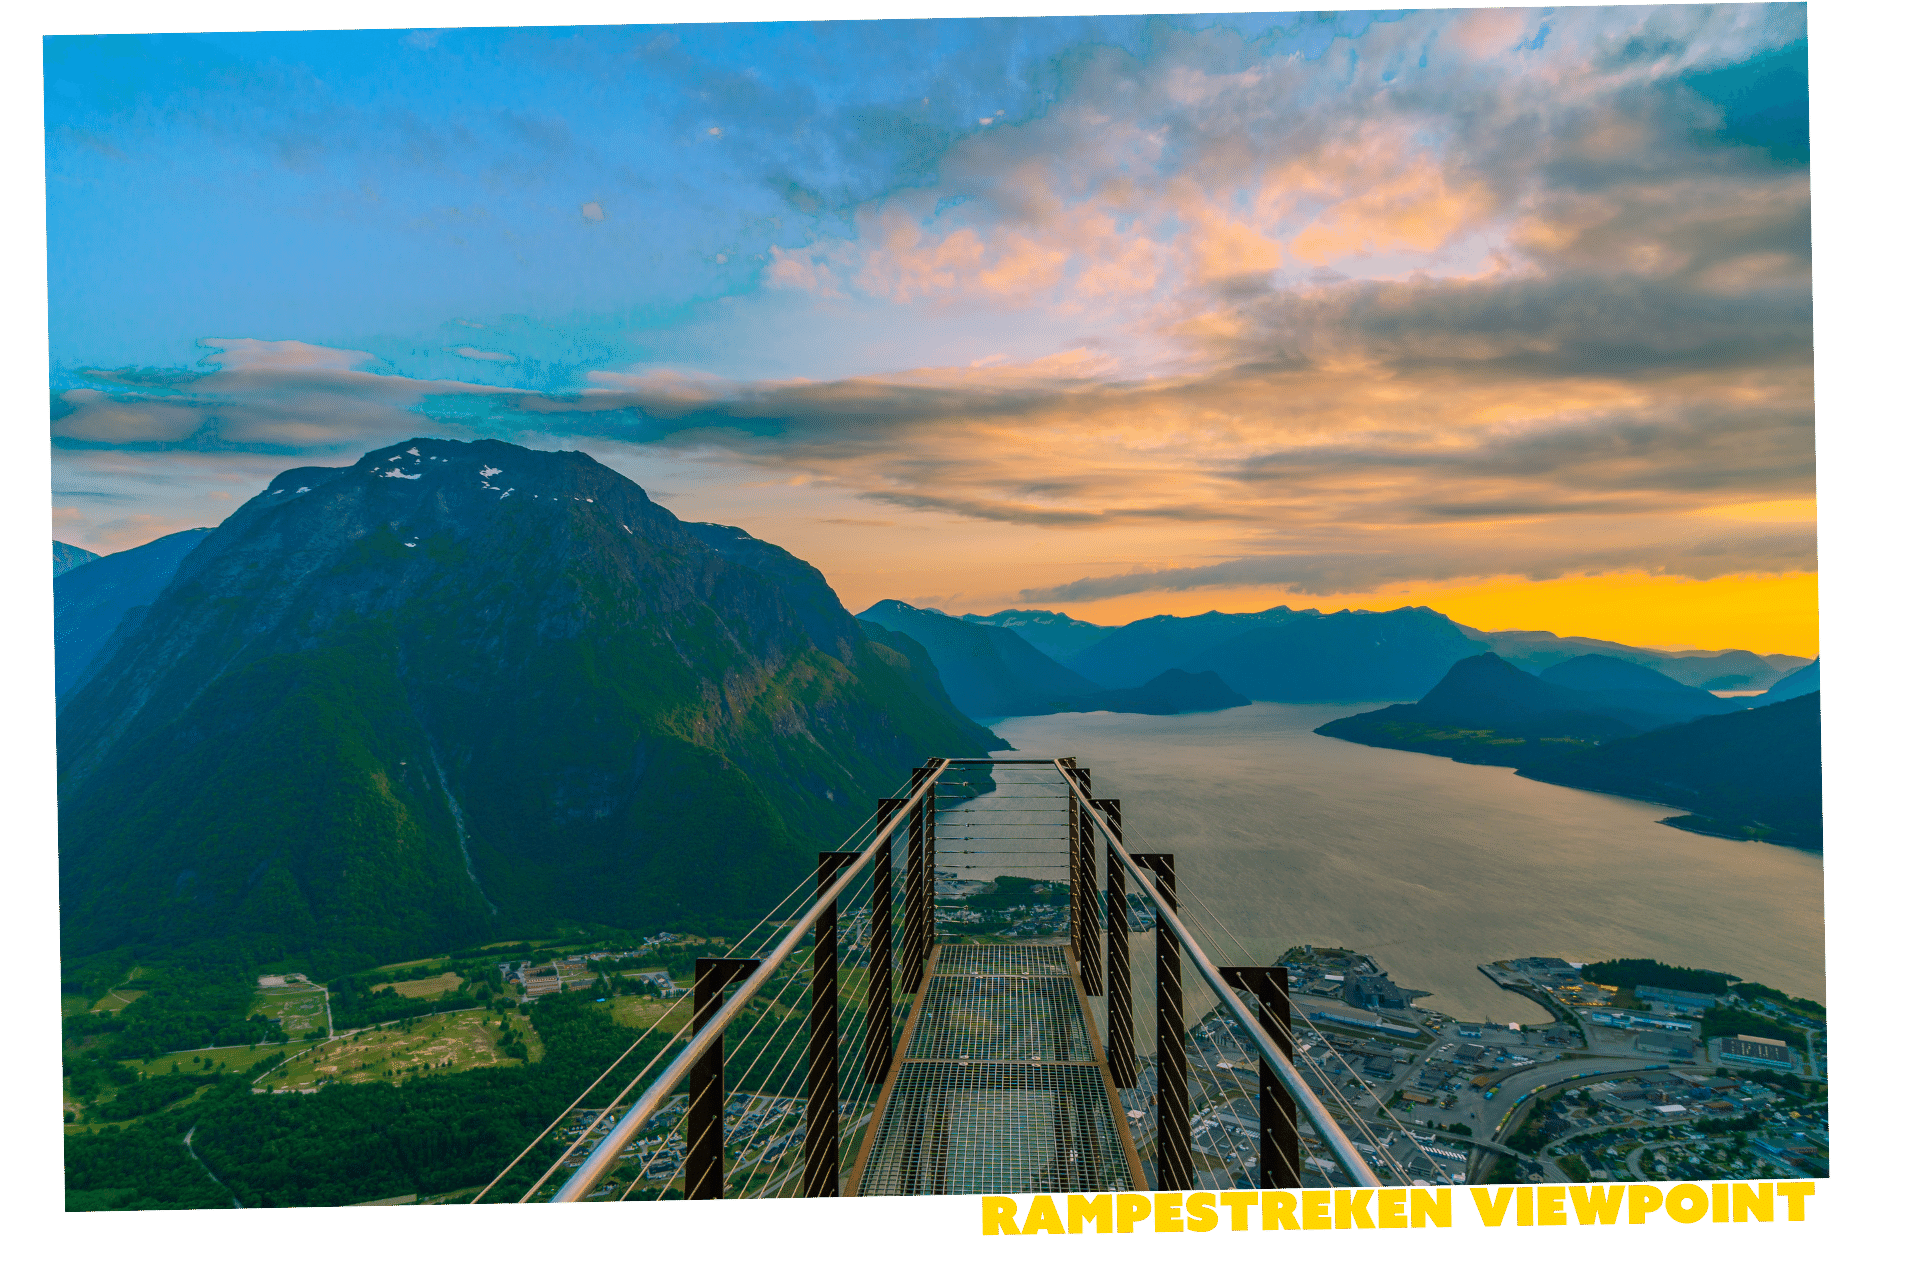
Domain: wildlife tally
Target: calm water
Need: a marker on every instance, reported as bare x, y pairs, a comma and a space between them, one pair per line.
1431, 866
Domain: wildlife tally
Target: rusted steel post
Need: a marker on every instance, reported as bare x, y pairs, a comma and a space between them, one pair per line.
706, 1087
1089, 918
821, 1176
1279, 1121
1075, 908
879, 1049
913, 908
929, 833
1120, 1055
1175, 1135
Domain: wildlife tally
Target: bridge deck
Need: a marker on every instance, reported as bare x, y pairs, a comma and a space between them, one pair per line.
999, 1086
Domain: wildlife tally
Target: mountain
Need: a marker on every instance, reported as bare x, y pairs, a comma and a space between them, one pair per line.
1752, 775
1287, 655
456, 691
1168, 693
1795, 684
1535, 651
1129, 656
67, 556
1488, 711
1054, 634
92, 599
1727, 668
1601, 673
989, 671
1347, 656
1628, 685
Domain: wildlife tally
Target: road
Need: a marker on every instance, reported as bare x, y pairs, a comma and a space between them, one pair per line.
1516, 1089
188, 1142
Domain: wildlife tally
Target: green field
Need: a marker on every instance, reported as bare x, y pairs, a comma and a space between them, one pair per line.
115, 1001
238, 1058
301, 1009
412, 964
641, 1012
424, 988
443, 1043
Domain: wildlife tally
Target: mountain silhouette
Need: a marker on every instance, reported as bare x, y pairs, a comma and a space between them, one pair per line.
454, 691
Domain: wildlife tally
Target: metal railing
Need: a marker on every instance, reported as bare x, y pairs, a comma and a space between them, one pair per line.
1270, 1051
1085, 817
604, 1154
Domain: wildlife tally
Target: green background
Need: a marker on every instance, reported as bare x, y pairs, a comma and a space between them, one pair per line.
1859, 1223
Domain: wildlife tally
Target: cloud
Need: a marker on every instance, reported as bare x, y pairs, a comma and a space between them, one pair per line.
253, 353
1339, 573
280, 396
1469, 294
592, 212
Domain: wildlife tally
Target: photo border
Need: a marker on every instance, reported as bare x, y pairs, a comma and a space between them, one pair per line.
1863, 277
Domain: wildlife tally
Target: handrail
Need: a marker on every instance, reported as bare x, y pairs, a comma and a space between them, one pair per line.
1290, 1078
602, 1157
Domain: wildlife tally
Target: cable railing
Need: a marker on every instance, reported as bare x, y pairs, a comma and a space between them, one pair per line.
1168, 920
600, 1161
775, 1089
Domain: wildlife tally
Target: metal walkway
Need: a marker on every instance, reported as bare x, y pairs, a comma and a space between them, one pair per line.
1000, 1085
923, 1064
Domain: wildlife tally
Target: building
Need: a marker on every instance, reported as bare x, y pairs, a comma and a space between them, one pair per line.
1680, 1046
1756, 1049
1675, 999
1373, 991
1377, 1024
1629, 1021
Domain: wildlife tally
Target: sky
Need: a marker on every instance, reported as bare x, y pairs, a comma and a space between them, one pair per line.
1506, 312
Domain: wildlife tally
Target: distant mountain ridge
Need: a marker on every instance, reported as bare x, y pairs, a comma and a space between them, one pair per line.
1169, 693
1485, 710
1603, 724
1795, 684
67, 556
1751, 775
1131, 655
1534, 651
989, 671
93, 599
1054, 634
455, 690
1284, 654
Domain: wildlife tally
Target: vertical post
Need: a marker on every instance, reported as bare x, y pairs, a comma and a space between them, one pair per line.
1075, 907
1279, 1122
1082, 929
913, 968
879, 1050
706, 1089
1121, 1061
928, 847
929, 835
1175, 1156
822, 1144
1090, 905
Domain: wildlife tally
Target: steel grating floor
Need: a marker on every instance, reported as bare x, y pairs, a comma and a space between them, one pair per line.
999, 1089
1001, 1019
997, 959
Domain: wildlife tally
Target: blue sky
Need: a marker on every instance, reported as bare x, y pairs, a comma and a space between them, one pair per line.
1099, 312
386, 191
